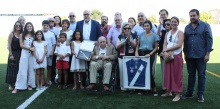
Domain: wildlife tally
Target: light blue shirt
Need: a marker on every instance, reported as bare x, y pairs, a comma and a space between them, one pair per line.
73, 26
139, 29
147, 43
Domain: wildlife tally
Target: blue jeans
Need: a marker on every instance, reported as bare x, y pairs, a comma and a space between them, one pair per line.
194, 64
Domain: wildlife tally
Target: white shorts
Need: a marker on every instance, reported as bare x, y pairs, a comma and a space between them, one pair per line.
49, 61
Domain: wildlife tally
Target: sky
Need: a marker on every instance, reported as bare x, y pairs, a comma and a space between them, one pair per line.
128, 8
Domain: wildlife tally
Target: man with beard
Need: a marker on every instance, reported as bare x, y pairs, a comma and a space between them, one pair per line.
104, 26
197, 47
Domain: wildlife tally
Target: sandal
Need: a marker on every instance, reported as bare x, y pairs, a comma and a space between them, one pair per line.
59, 86
74, 88
65, 86
10, 88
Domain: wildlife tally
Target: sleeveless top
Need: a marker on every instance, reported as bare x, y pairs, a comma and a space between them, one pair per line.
173, 42
15, 44
28, 42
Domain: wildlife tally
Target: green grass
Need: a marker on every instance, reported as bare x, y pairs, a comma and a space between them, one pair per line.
54, 98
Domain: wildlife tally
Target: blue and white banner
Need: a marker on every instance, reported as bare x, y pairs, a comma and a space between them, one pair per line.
136, 72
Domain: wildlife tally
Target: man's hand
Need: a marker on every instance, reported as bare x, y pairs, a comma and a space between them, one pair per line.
206, 59
105, 58
51, 54
101, 56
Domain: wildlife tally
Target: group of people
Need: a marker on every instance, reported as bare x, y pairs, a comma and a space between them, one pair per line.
56, 46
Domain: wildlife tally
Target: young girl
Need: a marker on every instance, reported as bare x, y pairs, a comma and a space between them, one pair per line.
62, 52
26, 75
39, 53
76, 64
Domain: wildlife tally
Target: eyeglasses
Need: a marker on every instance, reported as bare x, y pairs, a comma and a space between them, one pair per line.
51, 21
140, 16
17, 25
170, 39
73, 15
85, 14
127, 28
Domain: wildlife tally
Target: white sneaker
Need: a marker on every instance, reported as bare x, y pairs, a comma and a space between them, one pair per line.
38, 88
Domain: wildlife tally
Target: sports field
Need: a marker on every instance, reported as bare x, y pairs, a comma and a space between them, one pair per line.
53, 98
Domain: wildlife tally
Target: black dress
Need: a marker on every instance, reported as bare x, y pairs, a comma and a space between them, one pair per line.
13, 65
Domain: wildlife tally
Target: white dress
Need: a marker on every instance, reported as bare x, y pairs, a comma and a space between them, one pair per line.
77, 65
39, 50
26, 74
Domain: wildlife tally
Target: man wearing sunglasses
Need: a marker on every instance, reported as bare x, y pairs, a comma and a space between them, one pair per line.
72, 18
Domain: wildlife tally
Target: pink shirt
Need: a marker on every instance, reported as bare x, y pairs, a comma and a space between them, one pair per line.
104, 33
113, 35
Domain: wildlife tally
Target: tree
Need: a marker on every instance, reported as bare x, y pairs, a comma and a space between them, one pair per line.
207, 17
153, 19
96, 14
63, 17
182, 20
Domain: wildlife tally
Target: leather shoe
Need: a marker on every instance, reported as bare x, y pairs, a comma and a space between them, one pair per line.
105, 87
90, 87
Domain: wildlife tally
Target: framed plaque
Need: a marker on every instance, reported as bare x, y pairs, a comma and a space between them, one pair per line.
85, 50
136, 72
84, 55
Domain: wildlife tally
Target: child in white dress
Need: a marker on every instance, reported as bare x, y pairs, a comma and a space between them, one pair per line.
39, 53
77, 65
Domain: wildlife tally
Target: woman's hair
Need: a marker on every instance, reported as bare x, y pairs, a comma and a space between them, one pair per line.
133, 20
26, 31
14, 29
74, 34
149, 22
67, 21
59, 22
125, 24
177, 19
63, 34
42, 38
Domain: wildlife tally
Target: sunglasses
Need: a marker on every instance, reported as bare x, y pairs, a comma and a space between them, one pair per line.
51, 21
73, 15
140, 16
85, 14
166, 24
17, 25
127, 28
170, 39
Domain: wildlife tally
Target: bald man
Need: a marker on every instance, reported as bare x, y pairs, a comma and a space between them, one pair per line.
72, 18
139, 28
90, 28
102, 59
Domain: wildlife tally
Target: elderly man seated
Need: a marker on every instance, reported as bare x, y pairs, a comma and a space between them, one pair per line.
103, 57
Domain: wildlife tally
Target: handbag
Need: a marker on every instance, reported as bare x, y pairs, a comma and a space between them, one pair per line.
170, 58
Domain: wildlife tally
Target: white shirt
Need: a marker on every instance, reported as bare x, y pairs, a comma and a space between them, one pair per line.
68, 33
63, 49
86, 30
101, 51
139, 29
51, 40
